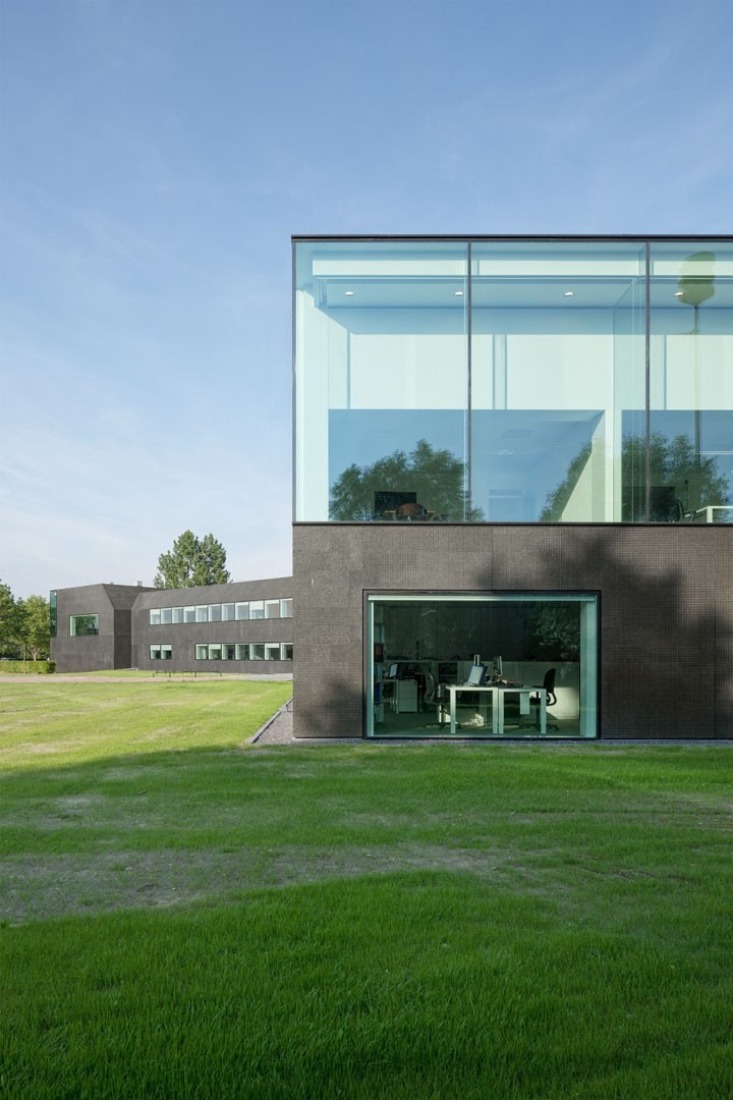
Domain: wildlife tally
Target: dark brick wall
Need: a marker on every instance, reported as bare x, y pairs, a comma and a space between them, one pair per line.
666, 611
125, 633
183, 637
111, 648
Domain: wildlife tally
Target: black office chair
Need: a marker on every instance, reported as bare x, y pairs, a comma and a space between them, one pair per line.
549, 685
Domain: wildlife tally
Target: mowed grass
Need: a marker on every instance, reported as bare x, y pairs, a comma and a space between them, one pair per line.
188, 915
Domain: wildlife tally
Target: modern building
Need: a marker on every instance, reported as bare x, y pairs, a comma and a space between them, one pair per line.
243, 626
513, 465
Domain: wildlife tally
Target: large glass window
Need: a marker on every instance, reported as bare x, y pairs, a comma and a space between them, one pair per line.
557, 345
382, 369
492, 665
81, 626
544, 381
690, 430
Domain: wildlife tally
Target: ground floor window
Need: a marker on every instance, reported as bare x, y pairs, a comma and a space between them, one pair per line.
253, 651
482, 664
161, 652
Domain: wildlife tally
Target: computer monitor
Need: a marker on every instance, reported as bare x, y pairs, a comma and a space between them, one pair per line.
389, 500
392, 674
476, 675
497, 668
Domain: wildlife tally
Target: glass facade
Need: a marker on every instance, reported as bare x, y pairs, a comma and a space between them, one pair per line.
482, 664
532, 381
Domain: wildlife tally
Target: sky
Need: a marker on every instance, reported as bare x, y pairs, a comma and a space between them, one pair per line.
157, 155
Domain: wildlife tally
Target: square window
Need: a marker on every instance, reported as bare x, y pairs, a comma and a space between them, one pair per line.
81, 626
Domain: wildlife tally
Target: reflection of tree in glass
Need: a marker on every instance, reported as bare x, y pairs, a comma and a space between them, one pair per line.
557, 628
692, 480
435, 475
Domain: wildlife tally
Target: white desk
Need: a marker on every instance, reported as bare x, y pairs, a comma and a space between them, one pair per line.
498, 694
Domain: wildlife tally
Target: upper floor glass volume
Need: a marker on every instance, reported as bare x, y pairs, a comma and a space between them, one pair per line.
514, 380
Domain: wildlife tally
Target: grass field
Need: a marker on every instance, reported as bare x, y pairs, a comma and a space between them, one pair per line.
188, 915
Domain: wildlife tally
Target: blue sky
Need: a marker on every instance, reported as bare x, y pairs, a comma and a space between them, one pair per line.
156, 156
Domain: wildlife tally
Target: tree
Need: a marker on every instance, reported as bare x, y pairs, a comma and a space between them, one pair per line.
11, 623
191, 562
36, 627
435, 475
674, 464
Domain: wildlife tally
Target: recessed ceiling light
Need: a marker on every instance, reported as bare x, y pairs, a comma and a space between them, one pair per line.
458, 293
679, 293
569, 293
349, 293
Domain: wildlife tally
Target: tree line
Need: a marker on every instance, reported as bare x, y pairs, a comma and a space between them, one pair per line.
25, 628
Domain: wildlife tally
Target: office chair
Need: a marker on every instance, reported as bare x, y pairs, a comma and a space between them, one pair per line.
429, 690
411, 510
548, 684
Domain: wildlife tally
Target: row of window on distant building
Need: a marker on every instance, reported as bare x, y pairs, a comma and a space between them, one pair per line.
222, 612
222, 651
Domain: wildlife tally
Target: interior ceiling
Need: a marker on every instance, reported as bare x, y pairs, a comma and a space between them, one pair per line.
335, 293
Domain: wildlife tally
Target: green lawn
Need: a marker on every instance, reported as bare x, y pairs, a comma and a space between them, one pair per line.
189, 915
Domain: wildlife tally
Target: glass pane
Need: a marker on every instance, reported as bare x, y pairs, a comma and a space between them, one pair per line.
189, 614
215, 652
242, 611
557, 349
81, 626
257, 609
488, 666
166, 615
257, 652
272, 609
177, 614
227, 612
202, 613
215, 613
202, 652
53, 612
286, 609
242, 652
381, 379
691, 417
287, 652
154, 616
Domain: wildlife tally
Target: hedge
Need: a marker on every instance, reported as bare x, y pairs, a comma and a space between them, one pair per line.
27, 666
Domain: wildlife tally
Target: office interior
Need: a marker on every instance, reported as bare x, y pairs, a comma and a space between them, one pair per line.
421, 644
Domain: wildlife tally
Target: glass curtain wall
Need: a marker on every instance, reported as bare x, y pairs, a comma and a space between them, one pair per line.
381, 380
422, 648
557, 348
535, 381
690, 427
